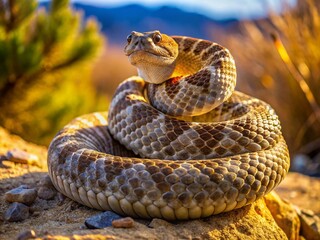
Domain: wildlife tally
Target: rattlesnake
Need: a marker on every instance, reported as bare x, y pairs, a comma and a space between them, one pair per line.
230, 155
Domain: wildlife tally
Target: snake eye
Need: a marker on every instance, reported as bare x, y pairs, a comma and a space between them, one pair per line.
157, 37
129, 38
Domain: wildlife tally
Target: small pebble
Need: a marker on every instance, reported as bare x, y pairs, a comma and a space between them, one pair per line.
21, 194
16, 212
46, 193
46, 182
20, 156
126, 222
101, 220
26, 235
47, 190
83, 227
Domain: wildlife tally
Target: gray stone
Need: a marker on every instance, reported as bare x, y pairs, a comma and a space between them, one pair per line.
47, 190
16, 212
21, 194
46, 182
101, 220
46, 193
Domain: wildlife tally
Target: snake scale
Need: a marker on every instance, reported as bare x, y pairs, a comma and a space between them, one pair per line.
178, 141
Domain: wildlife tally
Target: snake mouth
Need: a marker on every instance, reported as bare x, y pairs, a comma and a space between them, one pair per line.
146, 52
140, 51
151, 58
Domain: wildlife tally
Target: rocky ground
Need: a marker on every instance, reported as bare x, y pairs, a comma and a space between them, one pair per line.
51, 216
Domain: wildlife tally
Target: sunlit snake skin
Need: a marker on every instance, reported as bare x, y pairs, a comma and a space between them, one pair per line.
220, 161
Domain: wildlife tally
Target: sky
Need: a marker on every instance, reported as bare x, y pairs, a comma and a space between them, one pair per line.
218, 9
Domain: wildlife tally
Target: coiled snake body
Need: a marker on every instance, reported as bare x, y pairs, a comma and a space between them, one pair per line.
178, 142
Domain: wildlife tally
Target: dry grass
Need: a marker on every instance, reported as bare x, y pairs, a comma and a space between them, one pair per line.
284, 72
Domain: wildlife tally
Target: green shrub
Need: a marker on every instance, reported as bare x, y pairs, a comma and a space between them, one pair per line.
46, 59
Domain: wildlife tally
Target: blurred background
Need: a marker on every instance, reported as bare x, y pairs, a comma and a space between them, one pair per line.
60, 59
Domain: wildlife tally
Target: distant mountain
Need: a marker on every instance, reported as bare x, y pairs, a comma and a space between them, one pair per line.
118, 22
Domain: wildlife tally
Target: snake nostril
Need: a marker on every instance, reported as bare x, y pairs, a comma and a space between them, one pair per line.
139, 43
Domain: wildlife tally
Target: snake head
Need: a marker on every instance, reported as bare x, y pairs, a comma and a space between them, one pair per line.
153, 53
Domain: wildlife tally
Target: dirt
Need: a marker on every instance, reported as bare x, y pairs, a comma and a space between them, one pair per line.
64, 217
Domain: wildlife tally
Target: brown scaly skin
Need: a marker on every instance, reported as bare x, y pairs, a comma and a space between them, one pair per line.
225, 159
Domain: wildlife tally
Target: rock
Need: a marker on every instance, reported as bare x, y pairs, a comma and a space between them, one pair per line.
284, 214
123, 223
16, 212
46, 182
20, 156
101, 220
46, 193
47, 190
26, 235
310, 224
21, 194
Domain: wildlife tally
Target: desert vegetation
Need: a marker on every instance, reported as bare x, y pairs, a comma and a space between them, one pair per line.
278, 61
45, 71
